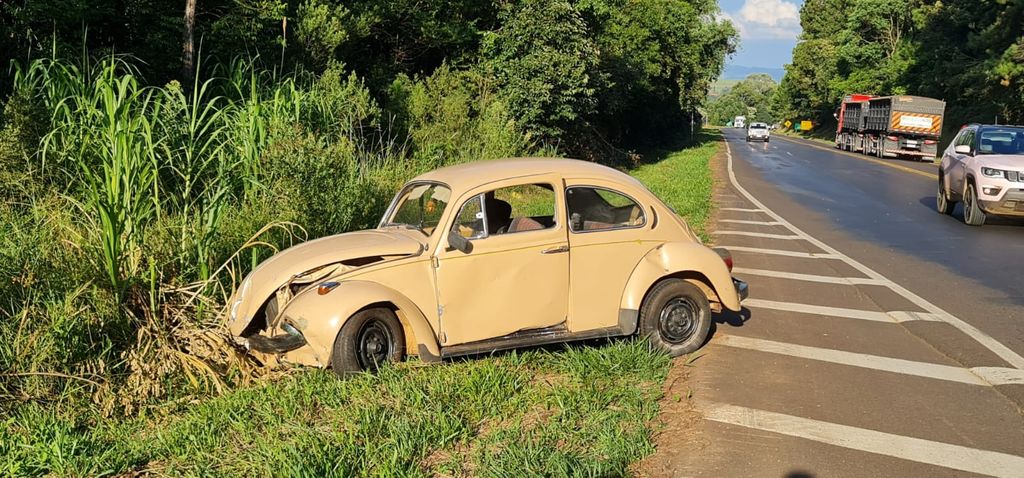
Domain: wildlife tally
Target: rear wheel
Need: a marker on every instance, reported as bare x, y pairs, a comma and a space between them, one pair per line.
675, 317
942, 202
973, 215
368, 339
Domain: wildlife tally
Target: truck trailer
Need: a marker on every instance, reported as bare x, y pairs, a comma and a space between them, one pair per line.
890, 126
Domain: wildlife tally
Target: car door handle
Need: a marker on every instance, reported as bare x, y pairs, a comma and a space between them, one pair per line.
555, 250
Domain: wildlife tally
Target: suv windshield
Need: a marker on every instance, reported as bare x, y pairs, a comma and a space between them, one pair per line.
997, 140
419, 206
758, 126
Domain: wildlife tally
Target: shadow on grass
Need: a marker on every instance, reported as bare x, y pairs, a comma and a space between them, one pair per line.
662, 152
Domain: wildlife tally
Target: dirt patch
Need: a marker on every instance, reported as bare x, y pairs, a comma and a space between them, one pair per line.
720, 177
676, 429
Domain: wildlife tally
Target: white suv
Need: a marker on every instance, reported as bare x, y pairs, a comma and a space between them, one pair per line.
759, 132
984, 168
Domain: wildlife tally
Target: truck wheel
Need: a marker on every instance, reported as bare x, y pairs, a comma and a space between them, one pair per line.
973, 215
368, 339
942, 202
675, 317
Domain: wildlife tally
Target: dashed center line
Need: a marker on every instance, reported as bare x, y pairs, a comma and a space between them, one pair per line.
907, 448
809, 277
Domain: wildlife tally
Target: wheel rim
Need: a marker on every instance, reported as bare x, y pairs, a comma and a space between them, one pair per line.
940, 197
375, 344
679, 320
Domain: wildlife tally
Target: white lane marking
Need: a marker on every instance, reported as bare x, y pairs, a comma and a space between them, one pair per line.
740, 209
873, 362
808, 277
753, 223
984, 339
778, 252
907, 448
758, 234
1000, 375
892, 317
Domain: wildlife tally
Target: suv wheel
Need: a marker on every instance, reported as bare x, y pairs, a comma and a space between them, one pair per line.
973, 215
942, 202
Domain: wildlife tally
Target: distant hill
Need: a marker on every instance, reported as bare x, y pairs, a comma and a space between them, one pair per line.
739, 72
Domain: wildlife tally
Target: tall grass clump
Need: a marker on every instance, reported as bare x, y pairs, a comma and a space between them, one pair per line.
131, 209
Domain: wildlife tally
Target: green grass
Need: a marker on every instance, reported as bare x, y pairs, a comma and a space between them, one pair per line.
682, 179
580, 410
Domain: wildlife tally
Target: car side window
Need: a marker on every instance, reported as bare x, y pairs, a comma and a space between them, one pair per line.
508, 210
966, 138
470, 222
593, 209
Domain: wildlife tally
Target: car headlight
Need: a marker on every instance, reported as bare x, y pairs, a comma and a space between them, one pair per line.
993, 173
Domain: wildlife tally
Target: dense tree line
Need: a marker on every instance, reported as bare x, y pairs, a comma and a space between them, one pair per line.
626, 71
968, 52
753, 98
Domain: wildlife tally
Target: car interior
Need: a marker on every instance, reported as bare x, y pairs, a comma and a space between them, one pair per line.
593, 209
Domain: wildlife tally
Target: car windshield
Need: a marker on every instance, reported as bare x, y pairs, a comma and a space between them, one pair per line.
1001, 141
419, 206
758, 126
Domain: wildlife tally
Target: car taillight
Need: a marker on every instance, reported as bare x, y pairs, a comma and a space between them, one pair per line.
893, 138
726, 256
930, 141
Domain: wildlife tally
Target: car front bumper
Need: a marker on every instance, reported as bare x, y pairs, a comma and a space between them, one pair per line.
277, 344
1010, 204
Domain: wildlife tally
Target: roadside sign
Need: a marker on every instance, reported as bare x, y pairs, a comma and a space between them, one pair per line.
788, 123
806, 125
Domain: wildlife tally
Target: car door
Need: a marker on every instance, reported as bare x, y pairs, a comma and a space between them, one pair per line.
516, 276
958, 164
610, 231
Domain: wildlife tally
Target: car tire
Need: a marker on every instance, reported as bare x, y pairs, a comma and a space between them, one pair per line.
942, 202
973, 215
368, 339
675, 317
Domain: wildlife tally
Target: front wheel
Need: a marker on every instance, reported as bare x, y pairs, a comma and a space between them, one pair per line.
942, 202
368, 339
675, 317
973, 215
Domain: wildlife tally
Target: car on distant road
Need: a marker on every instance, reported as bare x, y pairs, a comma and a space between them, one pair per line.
983, 168
487, 256
758, 132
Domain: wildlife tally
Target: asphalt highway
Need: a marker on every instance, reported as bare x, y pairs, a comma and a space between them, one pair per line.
880, 337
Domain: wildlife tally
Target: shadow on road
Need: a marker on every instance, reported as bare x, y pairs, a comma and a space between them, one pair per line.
958, 212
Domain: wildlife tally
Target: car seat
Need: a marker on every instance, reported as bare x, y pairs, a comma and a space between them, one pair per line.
499, 215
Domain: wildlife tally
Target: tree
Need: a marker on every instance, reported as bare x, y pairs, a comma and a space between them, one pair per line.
752, 97
187, 48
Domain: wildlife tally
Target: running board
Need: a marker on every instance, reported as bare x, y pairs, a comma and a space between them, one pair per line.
528, 338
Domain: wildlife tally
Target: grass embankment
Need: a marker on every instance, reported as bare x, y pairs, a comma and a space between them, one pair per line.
579, 410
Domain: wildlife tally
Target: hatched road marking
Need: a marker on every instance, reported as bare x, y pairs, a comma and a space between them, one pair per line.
907, 448
757, 234
777, 252
973, 332
753, 223
808, 277
893, 317
740, 209
974, 376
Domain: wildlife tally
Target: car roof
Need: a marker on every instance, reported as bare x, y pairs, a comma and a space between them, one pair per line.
465, 176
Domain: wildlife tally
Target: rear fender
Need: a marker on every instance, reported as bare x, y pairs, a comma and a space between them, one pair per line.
320, 317
687, 260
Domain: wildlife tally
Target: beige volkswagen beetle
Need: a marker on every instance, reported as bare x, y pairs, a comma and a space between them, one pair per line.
488, 256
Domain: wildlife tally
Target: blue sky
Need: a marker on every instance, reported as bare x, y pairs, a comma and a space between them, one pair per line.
768, 30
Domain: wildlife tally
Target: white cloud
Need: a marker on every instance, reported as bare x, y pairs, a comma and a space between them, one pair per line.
767, 19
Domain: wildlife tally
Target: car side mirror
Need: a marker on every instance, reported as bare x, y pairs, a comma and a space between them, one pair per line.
963, 149
456, 241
